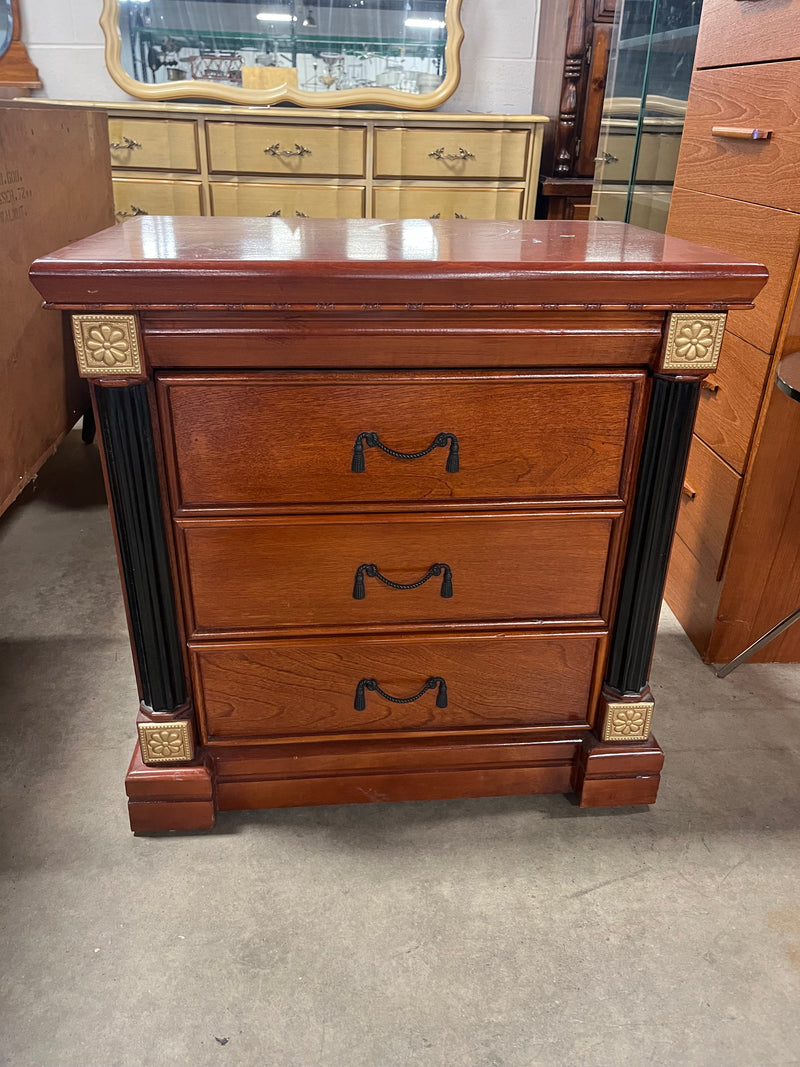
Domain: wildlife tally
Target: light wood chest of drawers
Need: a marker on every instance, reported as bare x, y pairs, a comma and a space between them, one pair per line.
734, 573
401, 547
187, 160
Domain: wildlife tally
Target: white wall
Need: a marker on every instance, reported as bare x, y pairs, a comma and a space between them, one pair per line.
497, 58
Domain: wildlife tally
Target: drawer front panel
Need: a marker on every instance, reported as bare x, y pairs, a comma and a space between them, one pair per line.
288, 201
247, 148
734, 32
658, 157
257, 691
270, 574
284, 439
733, 102
729, 400
406, 152
157, 144
133, 196
711, 489
446, 202
760, 234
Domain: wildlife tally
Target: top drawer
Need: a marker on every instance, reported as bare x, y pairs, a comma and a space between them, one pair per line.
405, 152
153, 144
726, 109
250, 148
738, 31
276, 439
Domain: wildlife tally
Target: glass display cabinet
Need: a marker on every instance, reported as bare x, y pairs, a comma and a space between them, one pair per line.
643, 113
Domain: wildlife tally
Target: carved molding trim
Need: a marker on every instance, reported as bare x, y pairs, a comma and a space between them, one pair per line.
627, 721
693, 341
107, 344
166, 742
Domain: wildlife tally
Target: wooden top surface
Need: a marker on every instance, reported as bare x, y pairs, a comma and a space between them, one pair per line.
157, 261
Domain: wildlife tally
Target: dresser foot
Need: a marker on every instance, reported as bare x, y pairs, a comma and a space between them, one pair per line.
177, 797
612, 775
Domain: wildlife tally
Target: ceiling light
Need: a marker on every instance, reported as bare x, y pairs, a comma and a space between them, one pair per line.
309, 20
282, 16
425, 24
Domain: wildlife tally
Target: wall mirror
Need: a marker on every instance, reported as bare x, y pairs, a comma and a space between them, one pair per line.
324, 53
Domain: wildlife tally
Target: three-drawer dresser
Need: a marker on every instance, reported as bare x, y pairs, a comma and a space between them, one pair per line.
393, 501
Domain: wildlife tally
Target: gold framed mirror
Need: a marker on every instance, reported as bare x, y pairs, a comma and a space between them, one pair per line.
324, 53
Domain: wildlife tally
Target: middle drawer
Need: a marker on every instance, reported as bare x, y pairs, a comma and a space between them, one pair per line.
271, 574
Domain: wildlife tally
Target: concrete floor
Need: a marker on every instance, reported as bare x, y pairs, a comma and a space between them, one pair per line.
486, 933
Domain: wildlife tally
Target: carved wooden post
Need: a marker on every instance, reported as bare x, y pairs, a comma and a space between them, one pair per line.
622, 745
574, 60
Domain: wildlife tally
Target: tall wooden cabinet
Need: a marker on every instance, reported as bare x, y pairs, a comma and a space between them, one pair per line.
567, 185
735, 568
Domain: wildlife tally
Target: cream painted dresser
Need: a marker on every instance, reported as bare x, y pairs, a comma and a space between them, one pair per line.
249, 161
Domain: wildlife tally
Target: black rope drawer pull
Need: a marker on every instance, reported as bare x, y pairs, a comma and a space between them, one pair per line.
360, 702
371, 440
370, 570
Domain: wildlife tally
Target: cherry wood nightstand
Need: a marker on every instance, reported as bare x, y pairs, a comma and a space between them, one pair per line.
393, 500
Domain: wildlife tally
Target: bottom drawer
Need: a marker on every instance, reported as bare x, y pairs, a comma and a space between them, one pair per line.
283, 688
140, 197
287, 201
446, 202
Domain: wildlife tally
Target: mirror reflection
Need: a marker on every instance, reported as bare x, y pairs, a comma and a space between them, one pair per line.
323, 46
6, 25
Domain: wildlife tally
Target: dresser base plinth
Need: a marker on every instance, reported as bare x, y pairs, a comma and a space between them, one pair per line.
609, 775
170, 796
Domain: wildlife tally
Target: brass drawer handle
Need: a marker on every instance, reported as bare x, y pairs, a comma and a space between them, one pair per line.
300, 150
687, 491
741, 133
371, 684
370, 570
456, 215
606, 157
710, 384
371, 440
127, 143
277, 214
461, 155
134, 211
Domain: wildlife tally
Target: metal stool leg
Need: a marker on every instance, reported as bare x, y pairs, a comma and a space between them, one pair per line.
723, 672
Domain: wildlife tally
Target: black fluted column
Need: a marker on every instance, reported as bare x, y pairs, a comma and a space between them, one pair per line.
668, 435
124, 424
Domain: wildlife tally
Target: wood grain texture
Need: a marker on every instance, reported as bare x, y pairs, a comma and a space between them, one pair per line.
704, 519
763, 97
606, 775
748, 31
763, 580
288, 439
53, 189
258, 574
285, 688
770, 235
263, 262
460, 338
730, 399
169, 798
